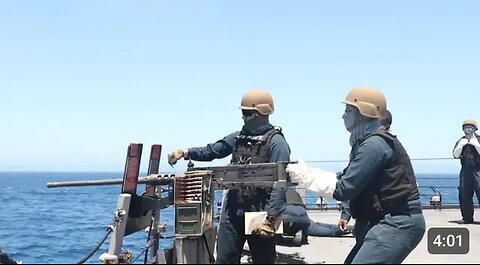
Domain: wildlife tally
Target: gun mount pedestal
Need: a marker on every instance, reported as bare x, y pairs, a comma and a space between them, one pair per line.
194, 231
196, 250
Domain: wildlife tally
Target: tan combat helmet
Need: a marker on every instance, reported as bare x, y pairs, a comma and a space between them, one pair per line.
370, 101
259, 100
470, 122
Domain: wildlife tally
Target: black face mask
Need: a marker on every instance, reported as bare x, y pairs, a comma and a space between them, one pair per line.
251, 123
251, 120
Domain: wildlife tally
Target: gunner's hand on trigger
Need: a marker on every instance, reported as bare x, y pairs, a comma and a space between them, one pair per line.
176, 155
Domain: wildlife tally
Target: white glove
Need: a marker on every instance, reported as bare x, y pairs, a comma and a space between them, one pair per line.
463, 142
298, 172
457, 151
313, 179
474, 142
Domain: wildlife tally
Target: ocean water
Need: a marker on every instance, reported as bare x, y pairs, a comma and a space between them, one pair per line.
61, 225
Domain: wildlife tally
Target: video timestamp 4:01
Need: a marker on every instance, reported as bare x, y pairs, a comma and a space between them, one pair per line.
448, 240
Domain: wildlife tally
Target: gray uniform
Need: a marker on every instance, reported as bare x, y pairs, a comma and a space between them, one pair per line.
231, 234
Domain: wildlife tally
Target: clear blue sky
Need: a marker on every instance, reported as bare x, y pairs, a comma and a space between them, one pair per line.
80, 80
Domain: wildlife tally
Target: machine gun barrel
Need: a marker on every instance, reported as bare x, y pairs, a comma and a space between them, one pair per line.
231, 176
154, 179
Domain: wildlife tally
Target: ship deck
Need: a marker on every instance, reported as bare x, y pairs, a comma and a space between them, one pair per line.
334, 250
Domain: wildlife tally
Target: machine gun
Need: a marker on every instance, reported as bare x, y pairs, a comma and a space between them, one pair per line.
191, 193
247, 176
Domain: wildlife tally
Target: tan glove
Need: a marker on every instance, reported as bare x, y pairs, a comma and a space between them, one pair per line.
267, 228
174, 156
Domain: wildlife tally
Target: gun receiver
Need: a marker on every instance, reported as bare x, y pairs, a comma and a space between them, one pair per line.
240, 176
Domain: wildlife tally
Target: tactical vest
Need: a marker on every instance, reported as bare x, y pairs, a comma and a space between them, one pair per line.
391, 188
251, 149
470, 157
